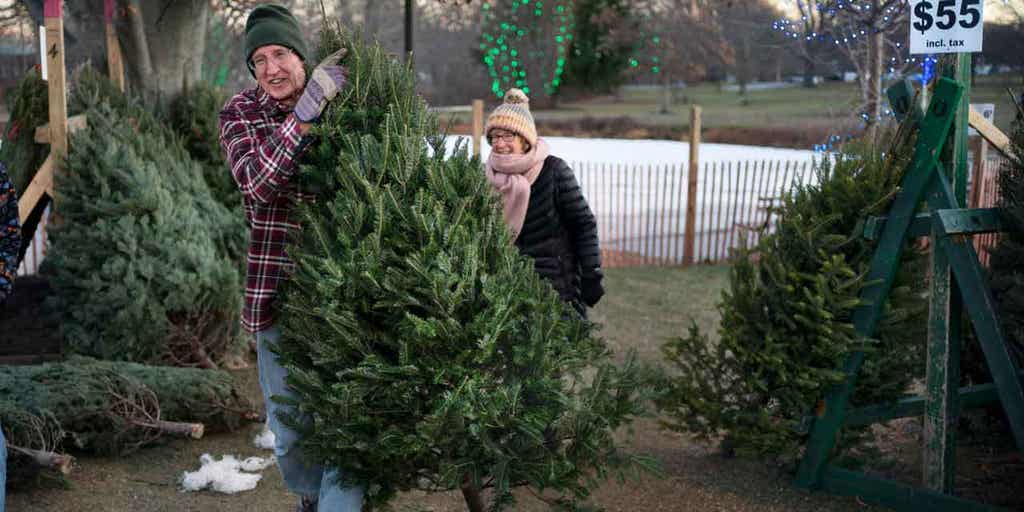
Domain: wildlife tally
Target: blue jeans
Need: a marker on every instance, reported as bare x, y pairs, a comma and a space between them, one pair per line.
301, 477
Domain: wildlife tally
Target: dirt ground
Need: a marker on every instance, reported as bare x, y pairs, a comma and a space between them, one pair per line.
695, 478
695, 475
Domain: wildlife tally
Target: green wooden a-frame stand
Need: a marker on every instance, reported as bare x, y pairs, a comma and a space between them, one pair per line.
956, 274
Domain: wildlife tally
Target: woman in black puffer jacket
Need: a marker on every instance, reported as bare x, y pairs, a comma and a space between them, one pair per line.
543, 204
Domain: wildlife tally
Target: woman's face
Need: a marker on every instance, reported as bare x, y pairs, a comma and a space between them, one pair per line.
504, 142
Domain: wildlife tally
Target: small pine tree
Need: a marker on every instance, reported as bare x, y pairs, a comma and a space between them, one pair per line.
193, 115
786, 318
427, 351
1005, 274
139, 260
29, 107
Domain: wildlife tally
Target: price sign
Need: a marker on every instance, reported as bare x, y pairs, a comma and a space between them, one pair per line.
945, 26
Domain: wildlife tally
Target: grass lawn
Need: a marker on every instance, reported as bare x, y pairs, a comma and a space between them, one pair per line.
645, 306
827, 105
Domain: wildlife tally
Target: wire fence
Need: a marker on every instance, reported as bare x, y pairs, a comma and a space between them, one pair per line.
984, 193
641, 210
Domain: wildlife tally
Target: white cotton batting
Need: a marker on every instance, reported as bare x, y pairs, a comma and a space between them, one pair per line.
225, 475
264, 439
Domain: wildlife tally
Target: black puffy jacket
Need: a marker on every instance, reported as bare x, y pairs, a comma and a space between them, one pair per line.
560, 233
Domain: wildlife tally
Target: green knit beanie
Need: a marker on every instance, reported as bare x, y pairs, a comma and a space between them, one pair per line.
272, 24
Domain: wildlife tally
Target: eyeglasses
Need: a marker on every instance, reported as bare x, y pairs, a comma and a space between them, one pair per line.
504, 137
259, 63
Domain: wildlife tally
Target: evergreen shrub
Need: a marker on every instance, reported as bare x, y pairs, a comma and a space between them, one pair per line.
427, 352
194, 116
140, 257
786, 317
1006, 277
28, 105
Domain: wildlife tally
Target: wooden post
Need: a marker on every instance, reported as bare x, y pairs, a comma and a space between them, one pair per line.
691, 187
54, 23
478, 125
942, 376
980, 150
115, 64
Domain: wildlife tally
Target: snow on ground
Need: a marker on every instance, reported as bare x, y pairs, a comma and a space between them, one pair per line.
637, 189
264, 438
653, 152
227, 475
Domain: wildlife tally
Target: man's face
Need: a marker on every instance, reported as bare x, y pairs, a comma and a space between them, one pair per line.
279, 71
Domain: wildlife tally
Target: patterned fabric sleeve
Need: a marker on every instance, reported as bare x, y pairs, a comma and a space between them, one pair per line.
262, 167
10, 234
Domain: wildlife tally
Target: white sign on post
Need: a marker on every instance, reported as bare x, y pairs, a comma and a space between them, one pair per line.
946, 26
42, 50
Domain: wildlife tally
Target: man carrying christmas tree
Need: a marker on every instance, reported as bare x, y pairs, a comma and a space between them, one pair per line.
263, 133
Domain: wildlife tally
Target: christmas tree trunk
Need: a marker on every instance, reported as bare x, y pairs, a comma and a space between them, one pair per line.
115, 407
427, 352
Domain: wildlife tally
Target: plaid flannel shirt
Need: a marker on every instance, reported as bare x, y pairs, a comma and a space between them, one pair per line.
263, 144
10, 234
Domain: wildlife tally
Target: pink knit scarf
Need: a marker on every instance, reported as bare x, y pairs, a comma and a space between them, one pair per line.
511, 175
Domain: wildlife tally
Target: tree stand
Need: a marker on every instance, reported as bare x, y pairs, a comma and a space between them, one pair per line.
956, 276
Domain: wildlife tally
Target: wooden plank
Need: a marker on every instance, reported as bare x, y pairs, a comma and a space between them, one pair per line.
75, 123
942, 373
478, 126
115, 62
723, 206
978, 172
882, 272
691, 187
895, 495
705, 217
42, 183
57, 85
981, 308
970, 397
901, 97
678, 171
989, 131
666, 217
649, 212
967, 221
956, 221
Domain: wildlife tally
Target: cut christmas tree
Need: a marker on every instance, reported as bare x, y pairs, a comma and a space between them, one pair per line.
426, 351
114, 407
786, 318
140, 260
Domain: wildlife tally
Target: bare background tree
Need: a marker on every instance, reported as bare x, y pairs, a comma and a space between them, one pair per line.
870, 36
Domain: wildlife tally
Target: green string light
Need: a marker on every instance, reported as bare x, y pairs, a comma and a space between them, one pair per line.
507, 27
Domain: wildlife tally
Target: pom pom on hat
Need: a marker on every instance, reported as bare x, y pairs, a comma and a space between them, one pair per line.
514, 115
517, 96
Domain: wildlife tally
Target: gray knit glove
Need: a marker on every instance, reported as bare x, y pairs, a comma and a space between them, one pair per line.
326, 81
